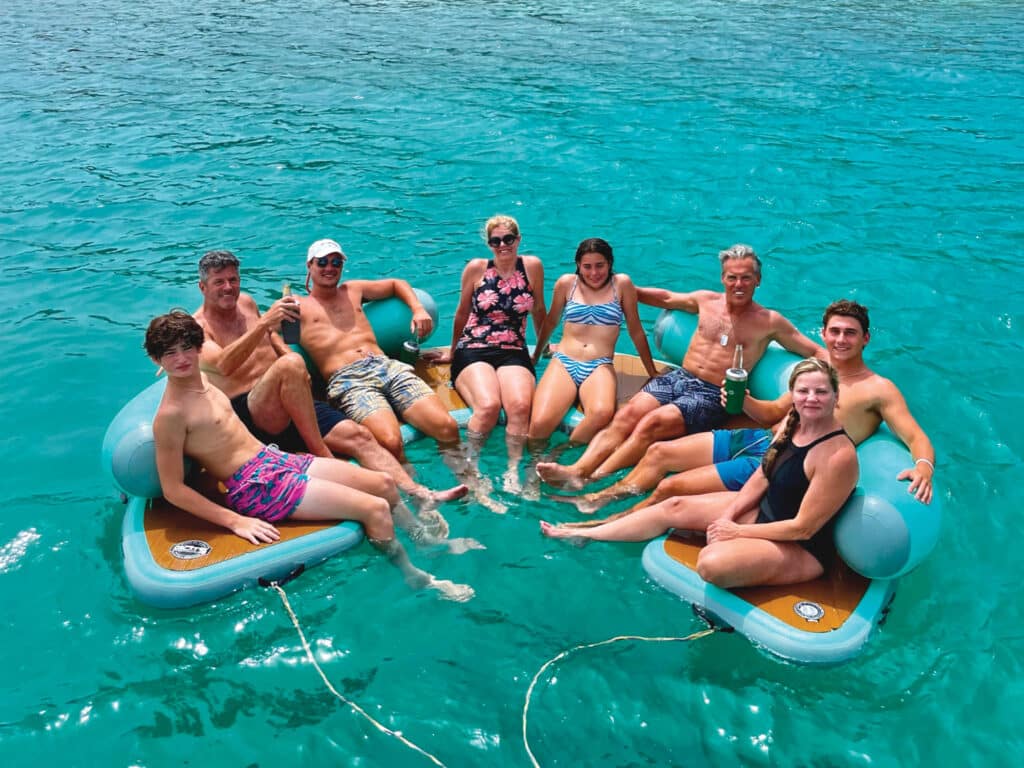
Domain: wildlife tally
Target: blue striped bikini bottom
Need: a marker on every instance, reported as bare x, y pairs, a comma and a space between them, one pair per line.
580, 370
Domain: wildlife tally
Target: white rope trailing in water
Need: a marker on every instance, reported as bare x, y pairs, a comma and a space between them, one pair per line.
609, 641
309, 654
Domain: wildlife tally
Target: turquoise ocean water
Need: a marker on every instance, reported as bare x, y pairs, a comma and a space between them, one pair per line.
866, 149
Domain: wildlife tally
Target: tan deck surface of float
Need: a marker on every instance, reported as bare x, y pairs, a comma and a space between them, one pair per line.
838, 592
166, 525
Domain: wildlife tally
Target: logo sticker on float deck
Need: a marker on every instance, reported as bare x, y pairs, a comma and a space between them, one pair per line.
191, 549
809, 611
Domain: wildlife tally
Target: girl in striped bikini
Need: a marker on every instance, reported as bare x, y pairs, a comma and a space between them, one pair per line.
595, 302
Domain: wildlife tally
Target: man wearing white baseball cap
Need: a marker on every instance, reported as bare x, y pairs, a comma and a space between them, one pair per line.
362, 382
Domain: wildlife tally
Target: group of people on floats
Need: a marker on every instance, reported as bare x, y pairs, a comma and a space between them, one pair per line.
239, 402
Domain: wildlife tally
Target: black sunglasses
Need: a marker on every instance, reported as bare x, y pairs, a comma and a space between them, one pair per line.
336, 261
494, 242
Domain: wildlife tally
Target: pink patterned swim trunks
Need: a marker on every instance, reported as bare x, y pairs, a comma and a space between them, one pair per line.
270, 485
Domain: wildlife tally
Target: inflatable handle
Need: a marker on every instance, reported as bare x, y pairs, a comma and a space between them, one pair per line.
128, 453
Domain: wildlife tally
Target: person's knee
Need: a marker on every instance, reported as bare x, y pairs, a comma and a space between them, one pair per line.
447, 431
518, 409
627, 417
487, 411
377, 521
659, 423
712, 566
293, 367
349, 438
601, 413
384, 487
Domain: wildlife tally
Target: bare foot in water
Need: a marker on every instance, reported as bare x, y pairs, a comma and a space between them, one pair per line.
463, 545
557, 532
510, 482
588, 503
450, 494
559, 476
435, 527
483, 492
449, 590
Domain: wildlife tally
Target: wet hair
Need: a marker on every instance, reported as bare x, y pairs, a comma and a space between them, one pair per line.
847, 308
214, 260
501, 220
739, 251
167, 331
599, 246
810, 365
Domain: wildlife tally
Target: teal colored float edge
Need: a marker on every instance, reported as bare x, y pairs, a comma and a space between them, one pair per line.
765, 630
164, 588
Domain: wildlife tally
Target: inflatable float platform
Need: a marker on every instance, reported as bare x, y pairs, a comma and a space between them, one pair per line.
173, 559
881, 534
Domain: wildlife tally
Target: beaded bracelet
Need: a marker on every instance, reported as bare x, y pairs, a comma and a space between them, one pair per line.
918, 461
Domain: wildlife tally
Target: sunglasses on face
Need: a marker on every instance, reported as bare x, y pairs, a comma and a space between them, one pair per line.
336, 261
494, 242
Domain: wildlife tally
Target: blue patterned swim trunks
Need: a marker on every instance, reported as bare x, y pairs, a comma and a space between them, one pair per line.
699, 402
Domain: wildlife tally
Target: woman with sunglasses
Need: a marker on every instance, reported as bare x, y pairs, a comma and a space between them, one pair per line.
490, 365
592, 304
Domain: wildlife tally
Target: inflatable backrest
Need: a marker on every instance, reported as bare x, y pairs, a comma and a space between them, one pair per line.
883, 532
128, 453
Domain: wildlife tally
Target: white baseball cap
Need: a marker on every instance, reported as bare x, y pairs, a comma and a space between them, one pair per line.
323, 248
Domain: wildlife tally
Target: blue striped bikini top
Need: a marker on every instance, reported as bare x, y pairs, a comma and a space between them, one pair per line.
609, 313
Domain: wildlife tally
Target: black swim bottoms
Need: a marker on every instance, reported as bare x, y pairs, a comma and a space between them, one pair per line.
494, 357
327, 418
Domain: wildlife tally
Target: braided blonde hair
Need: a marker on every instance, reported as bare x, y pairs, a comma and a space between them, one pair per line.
810, 365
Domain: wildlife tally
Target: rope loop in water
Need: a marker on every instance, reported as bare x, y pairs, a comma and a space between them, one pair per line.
309, 654
609, 641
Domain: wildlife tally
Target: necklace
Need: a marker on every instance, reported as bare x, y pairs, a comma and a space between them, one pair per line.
725, 330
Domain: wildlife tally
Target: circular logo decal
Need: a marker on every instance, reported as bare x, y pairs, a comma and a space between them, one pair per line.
191, 549
809, 611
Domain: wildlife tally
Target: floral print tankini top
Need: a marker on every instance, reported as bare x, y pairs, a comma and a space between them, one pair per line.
500, 308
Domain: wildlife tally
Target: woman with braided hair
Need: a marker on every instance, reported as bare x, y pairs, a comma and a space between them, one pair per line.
777, 529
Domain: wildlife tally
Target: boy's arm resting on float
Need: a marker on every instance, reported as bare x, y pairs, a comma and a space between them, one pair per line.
660, 297
169, 436
628, 298
896, 414
558, 299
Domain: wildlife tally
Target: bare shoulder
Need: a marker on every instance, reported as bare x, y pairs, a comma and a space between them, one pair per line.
621, 280
170, 415
704, 298
565, 281
474, 269
773, 318
533, 262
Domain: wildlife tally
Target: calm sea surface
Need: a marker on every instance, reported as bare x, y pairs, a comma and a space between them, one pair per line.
866, 149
